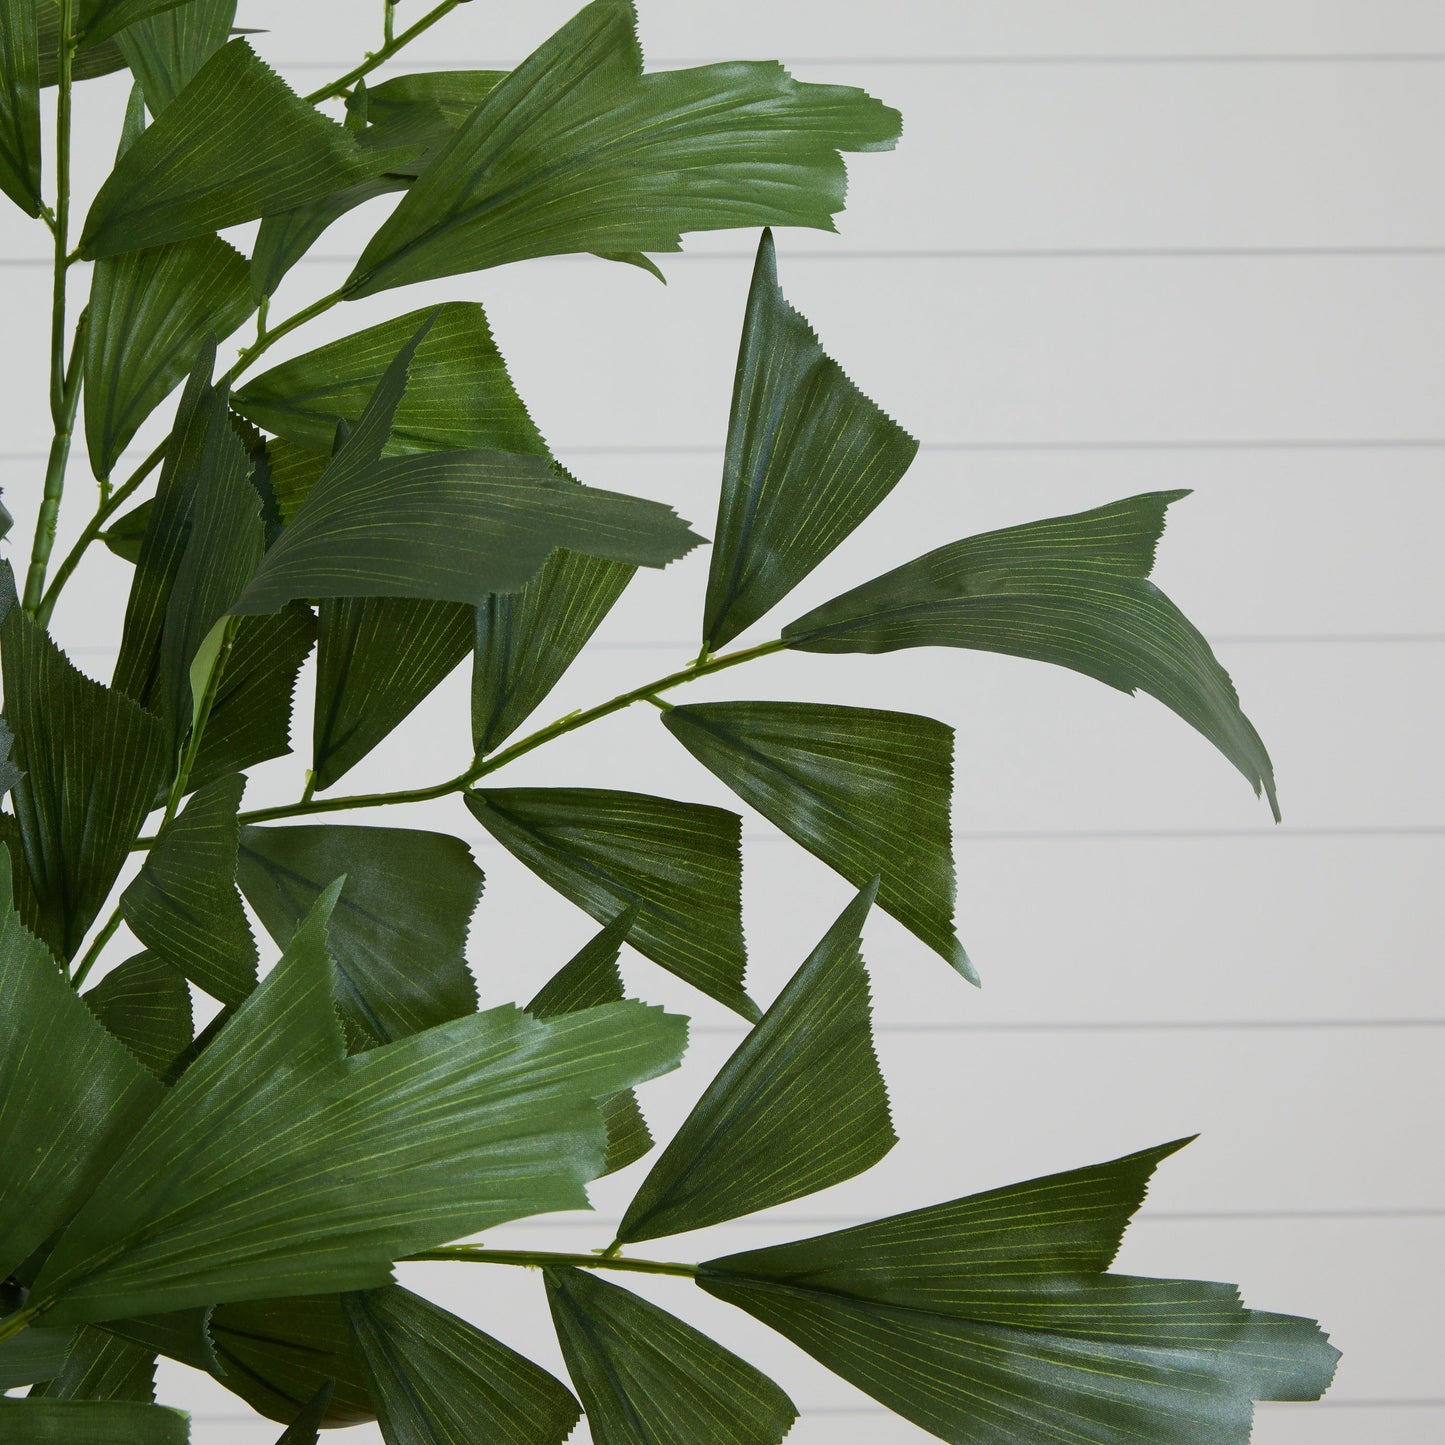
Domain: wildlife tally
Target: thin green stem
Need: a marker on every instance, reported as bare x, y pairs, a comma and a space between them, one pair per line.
268, 338
393, 43
203, 716
97, 947
11, 1325
540, 1259
388, 23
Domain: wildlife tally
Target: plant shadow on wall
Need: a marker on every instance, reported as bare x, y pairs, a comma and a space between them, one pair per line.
235, 1198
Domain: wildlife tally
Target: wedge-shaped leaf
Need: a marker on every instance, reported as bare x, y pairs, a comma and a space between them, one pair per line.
680, 863
866, 791
588, 980
437, 1380
799, 1106
991, 1318
808, 458
124, 535
305, 1429
102, 1366
1071, 590
398, 934
145, 1003
165, 51
183, 1335
96, 1422
70, 1094
277, 1165
456, 93
238, 143
150, 311
646, 1378
100, 19
33, 1355
577, 150
92, 762
183, 903
20, 104
276, 1354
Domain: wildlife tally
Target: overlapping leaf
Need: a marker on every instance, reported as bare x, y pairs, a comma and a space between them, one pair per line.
808, 459
277, 1165
305, 1429
100, 19
437, 1380
102, 1366
991, 1318
96, 1422
183, 904
33, 1355
456, 93
165, 51
1071, 590
680, 863
399, 931
866, 791
20, 104
145, 1003
799, 1106
90, 61
646, 1378
576, 150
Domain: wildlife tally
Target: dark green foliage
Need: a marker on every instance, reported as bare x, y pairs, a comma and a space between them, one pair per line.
165, 51
36, 1355
20, 104
145, 1003
101, 1366
95, 1422
305, 1429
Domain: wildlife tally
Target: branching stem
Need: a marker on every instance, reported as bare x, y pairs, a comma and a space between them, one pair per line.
97, 947
540, 1259
392, 44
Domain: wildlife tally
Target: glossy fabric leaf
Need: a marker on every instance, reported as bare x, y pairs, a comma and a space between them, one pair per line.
588, 980
305, 1429
991, 1318
646, 1378
238, 143
576, 150
100, 19
183, 903
93, 762
33, 1355
20, 104
70, 1094
398, 934
866, 791
456, 93
101, 1366
799, 1106
95, 1422
438, 1380
145, 1003
681, 863
165, 51
1072, 591
808, 459
277, 1165
150, 312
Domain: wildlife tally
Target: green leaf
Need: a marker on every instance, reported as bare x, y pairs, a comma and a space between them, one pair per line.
680, 863
150, 312
399, 932
96, 1422
90, 62
33, 1355
799, 1106
182, 1336
183, 903
991, 1318
294, 471
93, 762
646, 1378
20, 104
589, 979
165, 51
1072, 591
437, 1380
277, 1165
577, 150
236, 144
100, 19
808, 458
145, 1003
102, 1366
456, 93
305, 1429
276, 1354
70, 1094
866, 791
9, 773
125, 534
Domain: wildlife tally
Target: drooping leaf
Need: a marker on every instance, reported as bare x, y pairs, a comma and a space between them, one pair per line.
149, 313
96, 1422
183, 903
1071, 590
456, 93
71, 1096
438, 1380
145, 1003
680, 863
100, 19
589, 979
33, 1356
102, 1366
866, 791
399, 932
305, 1429
238, 143
92, 762
277, 1165
20, 104
808, 458
992, 1318
165, 51
576, 150
646, 1378
800, 1104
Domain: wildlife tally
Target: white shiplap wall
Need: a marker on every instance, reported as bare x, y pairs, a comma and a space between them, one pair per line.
1123, 246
